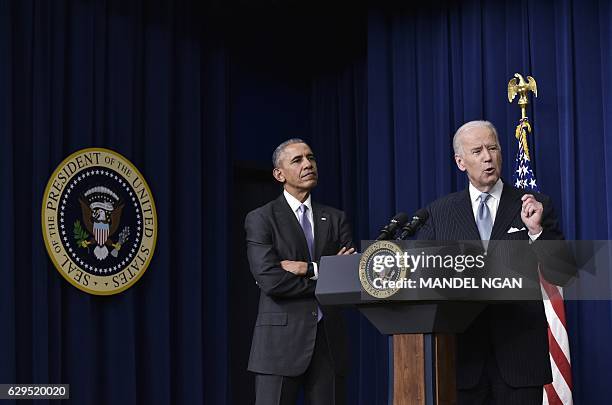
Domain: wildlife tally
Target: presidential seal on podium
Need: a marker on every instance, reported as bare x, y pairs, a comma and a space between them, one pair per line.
378, 272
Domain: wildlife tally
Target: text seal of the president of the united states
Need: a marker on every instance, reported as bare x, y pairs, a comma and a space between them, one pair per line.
99, 221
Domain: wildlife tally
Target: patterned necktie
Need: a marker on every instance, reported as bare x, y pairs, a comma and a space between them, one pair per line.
483, 220
307, 228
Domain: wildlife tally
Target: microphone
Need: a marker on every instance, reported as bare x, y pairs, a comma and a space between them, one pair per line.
418, 220
397, 221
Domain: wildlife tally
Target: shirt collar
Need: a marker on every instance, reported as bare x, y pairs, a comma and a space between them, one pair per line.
496, 191
294, 203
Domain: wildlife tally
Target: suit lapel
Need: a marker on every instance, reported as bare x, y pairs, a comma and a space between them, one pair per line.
509, 207
287, 220
321, 226
465, 216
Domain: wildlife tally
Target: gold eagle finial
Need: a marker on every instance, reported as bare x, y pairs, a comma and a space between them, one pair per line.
522, 88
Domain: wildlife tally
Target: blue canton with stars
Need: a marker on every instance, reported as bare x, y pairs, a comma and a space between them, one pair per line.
523, 175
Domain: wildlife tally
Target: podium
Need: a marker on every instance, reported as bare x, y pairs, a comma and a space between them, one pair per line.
423, 332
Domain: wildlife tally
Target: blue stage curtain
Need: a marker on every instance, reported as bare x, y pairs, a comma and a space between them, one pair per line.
431, 68
339, 139
145, 79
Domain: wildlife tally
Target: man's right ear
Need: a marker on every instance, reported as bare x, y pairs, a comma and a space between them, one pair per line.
459, 162
278, 175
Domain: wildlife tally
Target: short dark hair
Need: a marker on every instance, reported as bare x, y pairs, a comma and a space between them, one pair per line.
280, 148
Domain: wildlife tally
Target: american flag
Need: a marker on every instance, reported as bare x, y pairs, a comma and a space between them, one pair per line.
559, 392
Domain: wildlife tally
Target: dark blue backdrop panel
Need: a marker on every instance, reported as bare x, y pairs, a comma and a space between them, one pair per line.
431, 68
339, 141
139, 78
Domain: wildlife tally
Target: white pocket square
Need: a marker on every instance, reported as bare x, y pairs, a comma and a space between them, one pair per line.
513, 229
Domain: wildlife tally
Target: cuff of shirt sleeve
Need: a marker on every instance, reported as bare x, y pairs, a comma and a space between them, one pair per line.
313, 271
532, 238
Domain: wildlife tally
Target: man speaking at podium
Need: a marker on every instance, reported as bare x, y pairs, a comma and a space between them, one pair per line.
296, 343
502, 358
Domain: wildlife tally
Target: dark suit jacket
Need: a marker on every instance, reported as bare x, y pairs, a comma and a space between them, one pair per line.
286, 326
516, 333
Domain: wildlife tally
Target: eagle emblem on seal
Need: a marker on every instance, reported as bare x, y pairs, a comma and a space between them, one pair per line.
101, 213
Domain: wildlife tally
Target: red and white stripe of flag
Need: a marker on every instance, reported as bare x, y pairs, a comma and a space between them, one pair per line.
559, 392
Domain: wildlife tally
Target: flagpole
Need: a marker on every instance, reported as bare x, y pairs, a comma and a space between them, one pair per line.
559, 392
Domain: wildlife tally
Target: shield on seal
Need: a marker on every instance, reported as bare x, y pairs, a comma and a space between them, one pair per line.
101, 232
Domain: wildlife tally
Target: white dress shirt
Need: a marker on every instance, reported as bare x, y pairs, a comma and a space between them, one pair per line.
492, 202
295, 204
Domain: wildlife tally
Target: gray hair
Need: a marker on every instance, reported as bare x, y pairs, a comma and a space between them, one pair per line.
280, 148
458, 147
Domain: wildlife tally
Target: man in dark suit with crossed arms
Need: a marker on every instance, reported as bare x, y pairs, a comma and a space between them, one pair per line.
296, 343
502, 358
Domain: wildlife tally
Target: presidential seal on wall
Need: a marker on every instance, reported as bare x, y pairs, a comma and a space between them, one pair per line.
375, 270
99, 221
